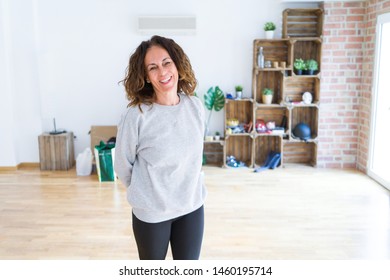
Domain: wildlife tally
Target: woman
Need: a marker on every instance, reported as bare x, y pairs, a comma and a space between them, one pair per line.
158, 152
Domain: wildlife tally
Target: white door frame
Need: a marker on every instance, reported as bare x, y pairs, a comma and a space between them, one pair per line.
384, 18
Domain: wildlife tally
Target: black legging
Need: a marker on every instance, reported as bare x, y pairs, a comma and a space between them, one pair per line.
185, 234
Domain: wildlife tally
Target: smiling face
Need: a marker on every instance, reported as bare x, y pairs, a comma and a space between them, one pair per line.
161, 71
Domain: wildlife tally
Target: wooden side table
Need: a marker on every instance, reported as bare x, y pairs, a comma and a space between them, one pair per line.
56, 152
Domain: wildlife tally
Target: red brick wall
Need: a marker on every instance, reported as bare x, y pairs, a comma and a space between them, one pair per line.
341, 76
373, 9
347, 62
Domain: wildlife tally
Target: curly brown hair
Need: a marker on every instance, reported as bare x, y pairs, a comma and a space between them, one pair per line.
137, 90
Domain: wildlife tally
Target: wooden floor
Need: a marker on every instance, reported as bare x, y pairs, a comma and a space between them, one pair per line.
290, 213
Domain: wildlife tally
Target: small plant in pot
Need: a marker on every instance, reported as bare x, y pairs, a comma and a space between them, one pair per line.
217, 136
239, 89
267, 96
299, 66
311, 66
269, 28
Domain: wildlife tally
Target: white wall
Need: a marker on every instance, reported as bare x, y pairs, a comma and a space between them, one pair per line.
7, 156
65, 59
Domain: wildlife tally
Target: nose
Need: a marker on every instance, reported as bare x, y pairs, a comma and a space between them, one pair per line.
162, 71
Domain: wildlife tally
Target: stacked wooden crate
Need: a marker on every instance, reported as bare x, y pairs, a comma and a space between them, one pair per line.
302, 38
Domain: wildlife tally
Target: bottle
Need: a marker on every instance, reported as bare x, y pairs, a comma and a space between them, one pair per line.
260, 58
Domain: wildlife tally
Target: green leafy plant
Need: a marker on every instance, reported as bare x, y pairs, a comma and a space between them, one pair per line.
299, 64
214, 100
239, 88
311, 64
268, 91
269, 26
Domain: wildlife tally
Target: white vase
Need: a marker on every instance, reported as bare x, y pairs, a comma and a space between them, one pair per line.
269, 34
267, 99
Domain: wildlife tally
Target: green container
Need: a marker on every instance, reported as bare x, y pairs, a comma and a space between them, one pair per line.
104, 154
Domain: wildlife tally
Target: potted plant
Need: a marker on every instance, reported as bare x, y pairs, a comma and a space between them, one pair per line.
299, 66
214, 100
269, 28
311, 66
217, 136
239, 89
267, 96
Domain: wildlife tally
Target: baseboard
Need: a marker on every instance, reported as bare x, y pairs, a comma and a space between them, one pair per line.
8, 168
28, 165
22, 165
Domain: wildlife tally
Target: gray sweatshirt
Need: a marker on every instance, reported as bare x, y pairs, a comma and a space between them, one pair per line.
158, 157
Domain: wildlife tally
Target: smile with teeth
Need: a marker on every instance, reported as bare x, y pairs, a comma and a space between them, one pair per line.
166, 80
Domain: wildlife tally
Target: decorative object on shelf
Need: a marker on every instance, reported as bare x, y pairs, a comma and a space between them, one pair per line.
311, 66
302, 131
248, 127
283, 124
233, 162
271, 162
283, 64
239, 89
260, 58
299, 66
269, 28
260, 126
233, 126
238, 129
277, 130
232, 122
229, 96
214, 100
267, 64
217, 136
275, 64
270, 125
267, 95
307, 97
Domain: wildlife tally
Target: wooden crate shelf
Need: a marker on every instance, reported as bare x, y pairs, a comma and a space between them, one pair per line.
213, 150
56, 152
239, 146
302, 38
294, 87
300, 152
268, 79
302, 23
308, 48
264, 144
239, 109
275, 114
274, 50
307, 115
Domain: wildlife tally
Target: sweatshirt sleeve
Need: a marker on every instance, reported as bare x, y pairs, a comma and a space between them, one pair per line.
126, 147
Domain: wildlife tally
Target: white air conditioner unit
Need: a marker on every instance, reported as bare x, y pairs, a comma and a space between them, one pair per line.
167, 25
